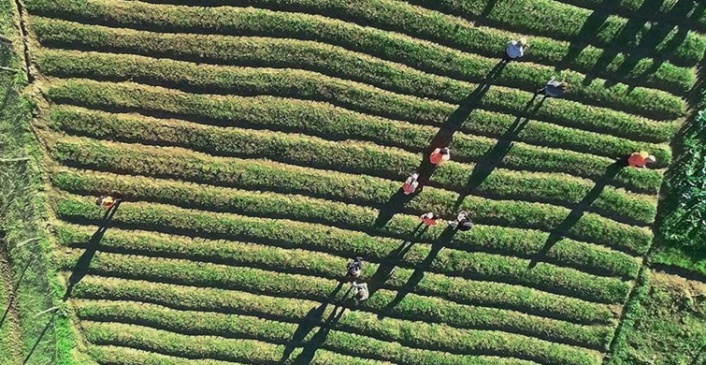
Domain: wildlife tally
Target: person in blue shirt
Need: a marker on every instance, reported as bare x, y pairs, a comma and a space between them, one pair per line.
515, 50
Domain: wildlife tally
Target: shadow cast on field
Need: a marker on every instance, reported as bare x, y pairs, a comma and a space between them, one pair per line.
83, 263
578, 210
418, 274
388, 264
493, 157
13, 295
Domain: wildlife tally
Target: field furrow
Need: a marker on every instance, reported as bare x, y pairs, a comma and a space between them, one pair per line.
371, 160
388, 339
455, 32
418, 54
59, 33
576, 223
472, 265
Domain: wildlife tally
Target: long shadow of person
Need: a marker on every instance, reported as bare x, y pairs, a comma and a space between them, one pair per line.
317, 340
49, 324
84, 262
14, 290
390, 262
418, 274
578, 210
492, 158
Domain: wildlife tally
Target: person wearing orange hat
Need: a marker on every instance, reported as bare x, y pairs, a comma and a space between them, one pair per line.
440, 155
429, 219
410, 185
106, 201
640, 159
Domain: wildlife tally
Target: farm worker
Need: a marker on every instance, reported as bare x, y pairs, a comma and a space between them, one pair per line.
515, 49
411, 184
553, 88
462, 222
355, 268
429, 219
106, 201
360, 291
440, 155
640, 159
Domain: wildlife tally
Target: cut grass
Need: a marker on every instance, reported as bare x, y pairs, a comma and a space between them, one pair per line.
588, 226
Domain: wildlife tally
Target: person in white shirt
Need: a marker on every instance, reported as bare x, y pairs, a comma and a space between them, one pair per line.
515, 49
360, 292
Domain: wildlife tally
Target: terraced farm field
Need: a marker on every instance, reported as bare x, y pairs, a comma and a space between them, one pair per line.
259, 145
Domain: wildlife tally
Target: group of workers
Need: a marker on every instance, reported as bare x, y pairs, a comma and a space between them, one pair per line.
514, 50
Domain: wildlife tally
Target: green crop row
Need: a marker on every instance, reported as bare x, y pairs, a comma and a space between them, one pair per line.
101, 156
453, 262
518, 156
199, 47
363, 158
421, 55
412, 309
386, 339
206, 347
360, 349
309, 86
116, 355
455, 32
568, 22
568, 253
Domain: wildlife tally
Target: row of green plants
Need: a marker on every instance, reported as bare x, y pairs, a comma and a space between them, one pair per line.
255, 351
479, 265
279, 284
412, 307
363, 158
417, 54
199, 48
221, 172
566, 22
116, 355
569, 253
221, 110
460, 34
355, 333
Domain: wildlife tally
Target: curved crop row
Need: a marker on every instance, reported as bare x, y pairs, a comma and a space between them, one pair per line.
223, 109
117, 355
368, 159
334, 123
207, 47
473, 265
175, 344
519, 214
460, 34
412, 308
595, 260
401, 341
551, 18
420, 55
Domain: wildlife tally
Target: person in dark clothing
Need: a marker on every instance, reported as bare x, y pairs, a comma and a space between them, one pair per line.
462, 222
553, 88
355, 268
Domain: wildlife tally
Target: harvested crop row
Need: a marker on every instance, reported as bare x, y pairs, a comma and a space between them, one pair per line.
116, 355
458, 33
174, 344
421, 55
403, 342
587, 226
472, 265
411, 308
197, 48
568, 253
223, 109
551, 18
336, 123
371, 160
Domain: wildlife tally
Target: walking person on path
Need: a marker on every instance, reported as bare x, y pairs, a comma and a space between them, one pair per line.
410, 185
640, 159
440, 155
355, 268
462, 222
553, 88
515, 49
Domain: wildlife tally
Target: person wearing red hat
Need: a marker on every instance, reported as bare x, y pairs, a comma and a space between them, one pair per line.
440, 155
